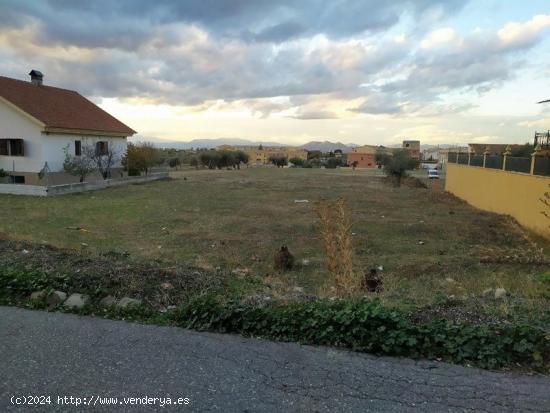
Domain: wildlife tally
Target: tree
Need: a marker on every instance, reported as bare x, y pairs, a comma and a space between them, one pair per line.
195, 162
105, 156
82, 165
242, 157
398, 164
210, 159
140, 157
174, 162
381, 157
278, 160
523, 151
333, 163
298, 162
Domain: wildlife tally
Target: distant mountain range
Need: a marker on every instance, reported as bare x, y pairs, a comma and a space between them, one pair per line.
323, 146
203, 143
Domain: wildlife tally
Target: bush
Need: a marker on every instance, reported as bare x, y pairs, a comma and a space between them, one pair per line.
366, 325
333, 163
297, 162
397, 164
278, 161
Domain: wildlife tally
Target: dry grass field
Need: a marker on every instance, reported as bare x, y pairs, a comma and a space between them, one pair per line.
438, 254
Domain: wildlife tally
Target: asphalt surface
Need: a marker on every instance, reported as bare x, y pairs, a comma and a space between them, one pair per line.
53, 354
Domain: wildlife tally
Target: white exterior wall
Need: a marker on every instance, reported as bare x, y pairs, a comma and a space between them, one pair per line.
15, 125
53, 148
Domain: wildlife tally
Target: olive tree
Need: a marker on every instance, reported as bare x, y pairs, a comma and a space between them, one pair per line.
398, 164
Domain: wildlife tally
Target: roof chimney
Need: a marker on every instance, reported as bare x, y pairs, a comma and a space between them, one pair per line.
36, 77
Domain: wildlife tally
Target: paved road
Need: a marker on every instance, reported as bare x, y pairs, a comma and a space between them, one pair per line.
64, 355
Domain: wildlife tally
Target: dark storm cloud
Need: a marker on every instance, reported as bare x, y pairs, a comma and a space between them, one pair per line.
189, 52
98, 23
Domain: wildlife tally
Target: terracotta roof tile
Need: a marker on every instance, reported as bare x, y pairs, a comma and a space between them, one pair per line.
60, 108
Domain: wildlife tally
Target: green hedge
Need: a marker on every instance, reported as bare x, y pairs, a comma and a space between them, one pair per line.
366, 325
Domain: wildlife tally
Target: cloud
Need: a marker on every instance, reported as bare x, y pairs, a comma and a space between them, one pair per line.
306, 60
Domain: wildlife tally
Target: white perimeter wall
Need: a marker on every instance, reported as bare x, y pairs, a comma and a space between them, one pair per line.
14, 125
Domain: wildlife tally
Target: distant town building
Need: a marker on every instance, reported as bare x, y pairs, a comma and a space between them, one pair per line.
259, 155
365, 156
413, 148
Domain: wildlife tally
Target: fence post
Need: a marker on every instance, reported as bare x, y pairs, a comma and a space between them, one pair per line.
485, 155
469, 157
506, 154
538, 149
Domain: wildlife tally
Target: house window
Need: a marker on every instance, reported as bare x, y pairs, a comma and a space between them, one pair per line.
77, 148
12, 147
102, 148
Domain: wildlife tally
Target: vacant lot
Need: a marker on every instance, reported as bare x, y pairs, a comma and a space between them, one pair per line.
438, 254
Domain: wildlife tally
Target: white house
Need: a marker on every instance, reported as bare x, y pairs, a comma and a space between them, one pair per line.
38, 122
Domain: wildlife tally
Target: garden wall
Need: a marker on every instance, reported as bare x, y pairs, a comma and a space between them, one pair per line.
36, 190
503, 192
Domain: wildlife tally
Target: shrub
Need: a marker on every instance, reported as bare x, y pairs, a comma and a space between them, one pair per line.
174, 162
141, 156
298, 162
278, 160
335, 228
366, 325
397, 164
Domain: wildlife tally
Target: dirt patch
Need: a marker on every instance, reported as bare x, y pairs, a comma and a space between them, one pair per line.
455, 311
113, 273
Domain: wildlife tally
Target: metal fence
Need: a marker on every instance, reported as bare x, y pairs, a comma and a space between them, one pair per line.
539, 164
463, 158
516, 164
494, 161
542, 166
476, 160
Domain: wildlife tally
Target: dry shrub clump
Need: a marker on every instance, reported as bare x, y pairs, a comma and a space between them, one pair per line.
335, 228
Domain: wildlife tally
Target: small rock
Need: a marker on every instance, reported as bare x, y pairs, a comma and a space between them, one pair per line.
241, 272
107, 301
25, 252
171, 307
420, 242
487, 292
38, 295
500, 293
128, 302
167, 286
449, 280
76, 300
305, 262
298, 290
56, 298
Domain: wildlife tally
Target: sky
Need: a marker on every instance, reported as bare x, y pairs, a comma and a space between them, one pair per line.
292, 71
